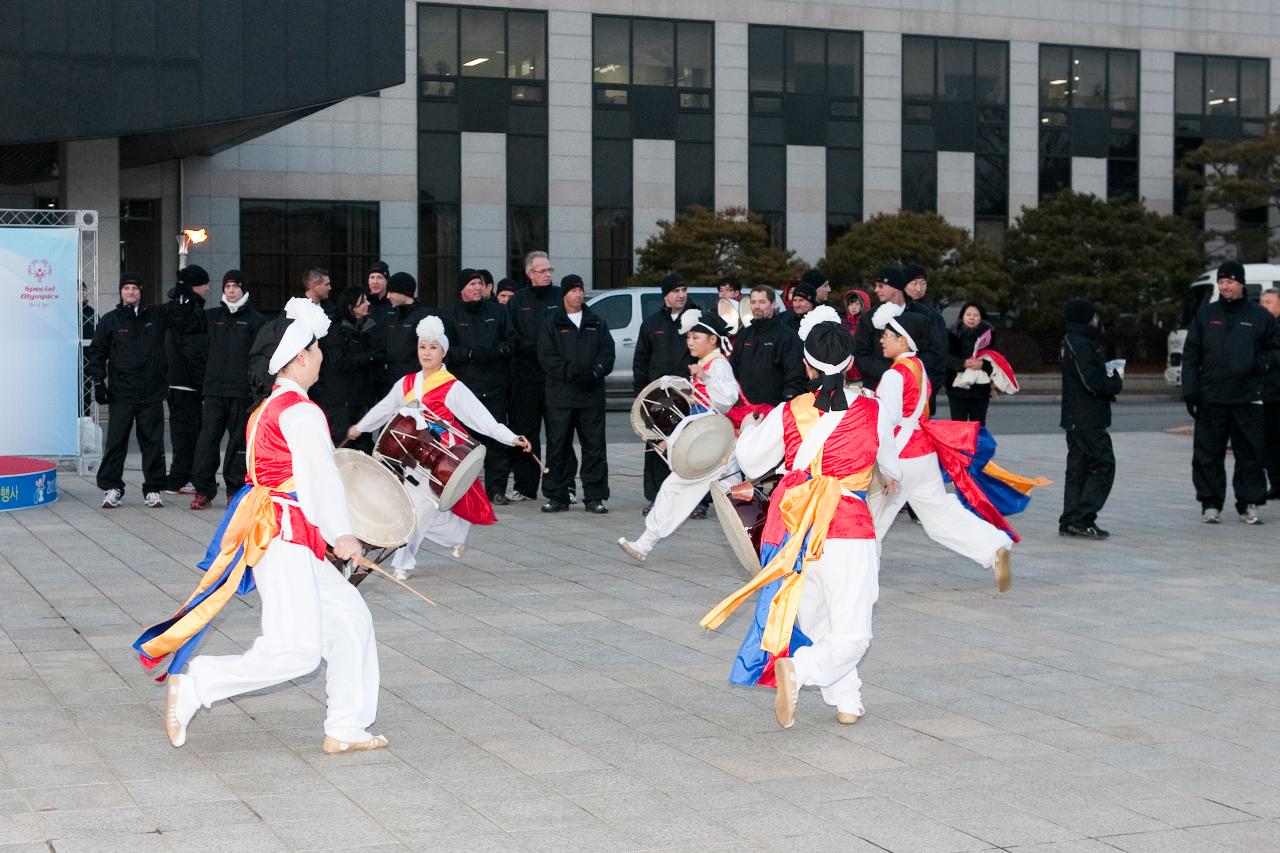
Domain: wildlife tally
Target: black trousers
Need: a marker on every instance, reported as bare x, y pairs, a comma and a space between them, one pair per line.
120, 420
525, 416
497, 457
184, 428
588, 424
655, 472
1242, 425
969, 408
1271, 445
222, 416
1091, 469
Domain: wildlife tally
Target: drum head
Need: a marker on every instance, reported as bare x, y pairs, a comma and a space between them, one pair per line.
702, 445
731, 524
463, 476
641, 424
381, 512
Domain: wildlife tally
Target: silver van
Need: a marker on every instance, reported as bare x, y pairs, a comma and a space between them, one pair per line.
623, 310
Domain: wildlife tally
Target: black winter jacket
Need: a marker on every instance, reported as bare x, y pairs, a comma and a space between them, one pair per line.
481, 341
128, 351
185, 352
575, 360
870, 359
768, 360
1230, 348
529, 309
660, 350
401, 341
962, 341
348, 372
230, 337
934, 353
1271, 385
1087, 390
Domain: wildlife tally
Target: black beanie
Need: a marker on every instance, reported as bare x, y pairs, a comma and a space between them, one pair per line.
507, 284
671, 282
134, 278
465, 277
814, 277
806, 290
891, 276
380, 267
1080, 311
237, 277
1233, 270
571, 281
402, 283
192, 275
911, 272
915, 325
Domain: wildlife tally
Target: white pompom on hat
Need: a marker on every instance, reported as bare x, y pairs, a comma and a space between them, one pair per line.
821, 314
308, 323
431, 328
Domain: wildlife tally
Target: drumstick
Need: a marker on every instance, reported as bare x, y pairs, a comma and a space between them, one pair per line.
344, 443
374, 567
541, 464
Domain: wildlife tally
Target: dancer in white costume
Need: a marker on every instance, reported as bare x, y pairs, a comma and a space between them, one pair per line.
713, 381
904, 393
438, 394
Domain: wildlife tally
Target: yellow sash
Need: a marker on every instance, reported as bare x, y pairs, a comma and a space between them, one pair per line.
917, 370
427, 384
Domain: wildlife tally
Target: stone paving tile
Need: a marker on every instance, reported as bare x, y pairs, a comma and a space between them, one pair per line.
1123, 696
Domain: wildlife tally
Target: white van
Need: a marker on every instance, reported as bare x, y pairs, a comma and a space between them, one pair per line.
623, 310
1258, 277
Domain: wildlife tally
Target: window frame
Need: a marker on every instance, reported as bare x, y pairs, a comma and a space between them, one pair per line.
519, 86
613, 95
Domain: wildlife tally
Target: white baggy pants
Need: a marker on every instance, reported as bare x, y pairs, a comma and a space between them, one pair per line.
945, 519
840, 591
677, 498
442, 528
309, 613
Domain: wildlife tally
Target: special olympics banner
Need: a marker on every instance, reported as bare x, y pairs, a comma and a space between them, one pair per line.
40, 326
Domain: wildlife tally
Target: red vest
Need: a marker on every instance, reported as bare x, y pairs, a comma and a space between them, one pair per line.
914, 383
270, 464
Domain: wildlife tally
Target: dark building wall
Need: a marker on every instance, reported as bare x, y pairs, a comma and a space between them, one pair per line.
73, 69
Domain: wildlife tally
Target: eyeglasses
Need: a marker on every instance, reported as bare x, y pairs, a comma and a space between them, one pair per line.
546, 271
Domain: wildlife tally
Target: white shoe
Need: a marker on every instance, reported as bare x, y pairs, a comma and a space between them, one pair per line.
152, 499
1209, 516
188, 489
515, 497
1250, 515
177, 713
401, 574
459, 550
631, 550
334, 746
112, 498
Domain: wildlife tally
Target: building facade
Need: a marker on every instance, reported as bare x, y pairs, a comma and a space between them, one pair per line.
577, 125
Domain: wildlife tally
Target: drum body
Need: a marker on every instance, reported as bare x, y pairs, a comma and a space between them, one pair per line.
658, 410
743, 524
447, 459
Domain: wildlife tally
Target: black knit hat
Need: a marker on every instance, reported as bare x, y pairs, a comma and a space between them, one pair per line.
1233, 270
571, 281
402, 283
192, 275
237, 277
1080, 311
467, 276
506, 284
135, 279
671, 282
815, 277
806, 290
915, 325
891, 276
711, 321
911, 272
380, 267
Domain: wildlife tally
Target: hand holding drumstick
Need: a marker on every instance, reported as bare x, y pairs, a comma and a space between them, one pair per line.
525, 445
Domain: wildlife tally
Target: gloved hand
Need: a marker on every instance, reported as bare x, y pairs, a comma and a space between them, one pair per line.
100, 395
1192, 406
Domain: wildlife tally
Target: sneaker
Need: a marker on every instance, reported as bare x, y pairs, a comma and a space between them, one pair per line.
188, 489
516, 497
596, 507
1089, 531
112, 498
498, 499
1211, 516
631, 550
459, 550
554, 506
152, 499
200, 502
1250, 515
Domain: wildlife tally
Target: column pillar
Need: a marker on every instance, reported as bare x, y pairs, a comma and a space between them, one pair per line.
89, 179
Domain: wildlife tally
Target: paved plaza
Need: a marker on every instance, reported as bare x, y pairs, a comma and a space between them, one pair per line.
1122, 696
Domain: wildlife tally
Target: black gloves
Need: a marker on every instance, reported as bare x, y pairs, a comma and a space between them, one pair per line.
1192, 405
100, 394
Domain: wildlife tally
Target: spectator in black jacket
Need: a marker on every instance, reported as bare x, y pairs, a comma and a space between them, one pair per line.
1270, 300
316, 286
917, 288
890, 286
969, 403
1087, 393
127, 367
575, 350
401, 337
529, 308
1231, 345
804, 298
480, 345
661, 351
767, 356
185, 359
232, 328
506, 289
347, 385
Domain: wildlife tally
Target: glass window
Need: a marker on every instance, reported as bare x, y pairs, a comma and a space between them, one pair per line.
653, 52
844, 181
1188, 85
1122, 180
439, 167
527, 45
483, 43
766, 177
614, 309
1122, 80
437, 40
806, 61
844, 60
612, 51
919, 181
991, 79
1055, 175
1222, 84
765, 59
1054, 79
917, 67
611, 241
695, 175
955, 70
526, 232
1089, 78
1253, 87
991, 186
693, 53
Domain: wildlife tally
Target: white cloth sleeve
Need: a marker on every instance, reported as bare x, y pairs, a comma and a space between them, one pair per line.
889, 392
760, 448
377, 417
319, 486
887, 454
722, 387
467, 406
